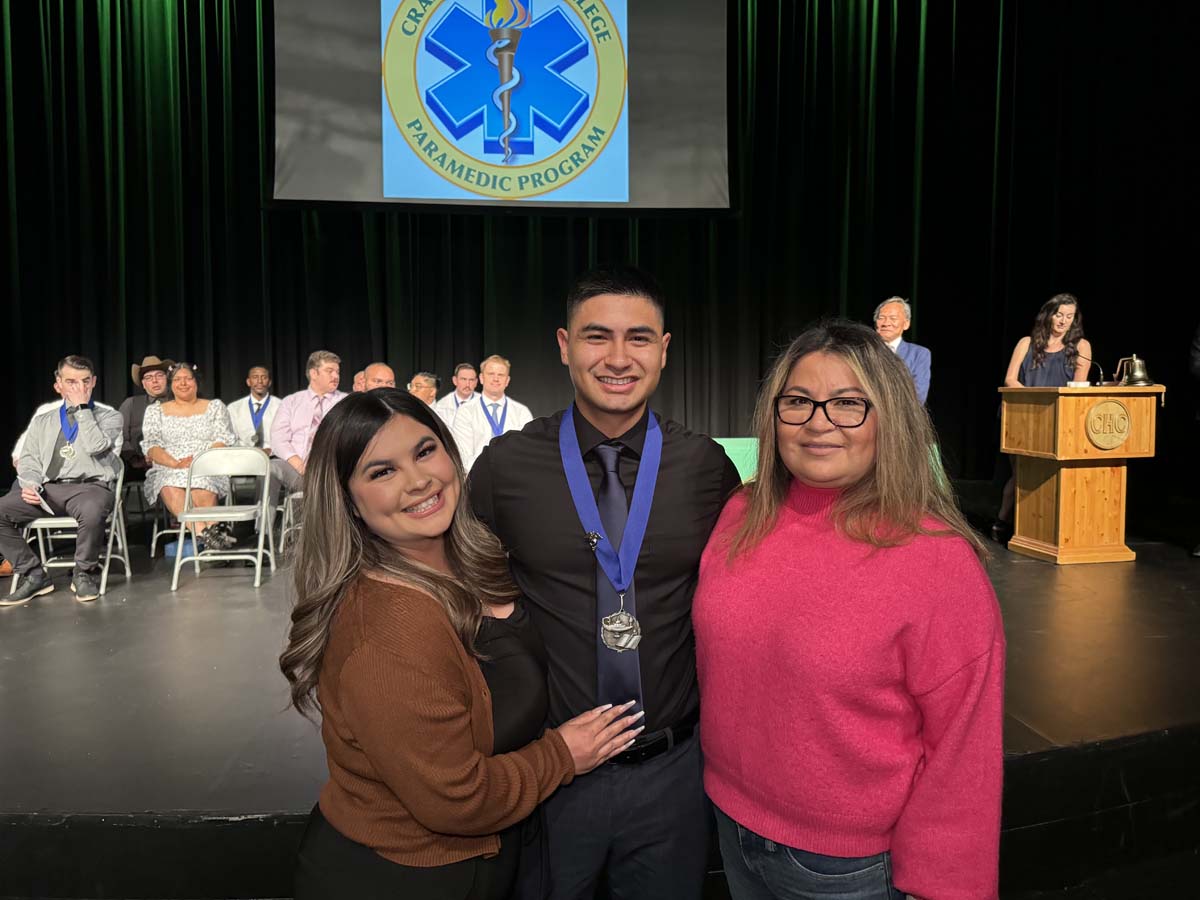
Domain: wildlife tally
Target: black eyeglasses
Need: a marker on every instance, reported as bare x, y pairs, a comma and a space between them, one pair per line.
844, 412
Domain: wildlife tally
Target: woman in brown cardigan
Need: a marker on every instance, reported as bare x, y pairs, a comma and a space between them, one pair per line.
409, 638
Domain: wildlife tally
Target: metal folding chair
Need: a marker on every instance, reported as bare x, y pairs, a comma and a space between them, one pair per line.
226, 461
56, 528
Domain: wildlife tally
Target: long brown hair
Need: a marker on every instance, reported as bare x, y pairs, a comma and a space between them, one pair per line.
906, 483
335, 545
1040, 334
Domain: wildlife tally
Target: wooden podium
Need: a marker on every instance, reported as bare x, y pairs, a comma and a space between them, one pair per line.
1070, 446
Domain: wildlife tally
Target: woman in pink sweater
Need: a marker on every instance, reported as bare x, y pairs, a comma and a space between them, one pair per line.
849, 647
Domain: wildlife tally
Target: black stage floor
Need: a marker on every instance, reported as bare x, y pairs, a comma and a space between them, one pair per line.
145, 748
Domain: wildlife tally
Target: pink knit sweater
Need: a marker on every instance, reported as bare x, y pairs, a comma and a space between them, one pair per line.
851, 697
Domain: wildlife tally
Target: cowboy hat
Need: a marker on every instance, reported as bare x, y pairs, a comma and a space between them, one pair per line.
149, 364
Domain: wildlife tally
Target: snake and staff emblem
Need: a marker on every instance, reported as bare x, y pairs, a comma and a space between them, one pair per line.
505, 23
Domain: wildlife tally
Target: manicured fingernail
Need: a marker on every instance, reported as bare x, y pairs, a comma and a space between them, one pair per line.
606, 706
639, 714
639, 729
629, 704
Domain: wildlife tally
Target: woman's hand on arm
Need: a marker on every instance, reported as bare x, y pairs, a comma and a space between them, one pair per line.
1011, 377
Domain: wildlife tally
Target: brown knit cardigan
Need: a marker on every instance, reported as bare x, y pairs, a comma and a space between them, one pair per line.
407, 725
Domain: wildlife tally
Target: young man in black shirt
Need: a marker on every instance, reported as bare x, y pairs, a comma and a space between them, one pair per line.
605, 510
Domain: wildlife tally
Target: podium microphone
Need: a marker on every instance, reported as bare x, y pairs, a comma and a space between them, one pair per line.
1094, 363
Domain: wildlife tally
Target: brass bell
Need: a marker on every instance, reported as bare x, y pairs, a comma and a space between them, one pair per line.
1136, 373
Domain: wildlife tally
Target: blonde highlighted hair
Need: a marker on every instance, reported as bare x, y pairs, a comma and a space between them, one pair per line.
905, 485
336, 545
494, 358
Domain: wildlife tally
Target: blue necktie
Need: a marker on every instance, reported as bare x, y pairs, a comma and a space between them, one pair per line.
618, 675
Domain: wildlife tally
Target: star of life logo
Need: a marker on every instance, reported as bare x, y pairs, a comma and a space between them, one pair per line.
508, 99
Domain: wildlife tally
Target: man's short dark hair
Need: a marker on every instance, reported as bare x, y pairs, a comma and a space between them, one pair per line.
266, 369
462, 366
624, 280
75, 362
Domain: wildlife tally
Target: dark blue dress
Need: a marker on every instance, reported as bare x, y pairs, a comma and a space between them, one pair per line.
1054, 371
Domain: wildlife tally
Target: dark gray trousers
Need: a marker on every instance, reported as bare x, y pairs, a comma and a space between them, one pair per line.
646, 828
88, 504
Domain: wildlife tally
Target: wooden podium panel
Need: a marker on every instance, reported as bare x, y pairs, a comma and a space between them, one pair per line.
1071, 445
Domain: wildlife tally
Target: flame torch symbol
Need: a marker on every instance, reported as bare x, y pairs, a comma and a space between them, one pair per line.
505, 23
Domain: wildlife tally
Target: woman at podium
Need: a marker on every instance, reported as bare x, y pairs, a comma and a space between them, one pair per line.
1053, 354
1055, 351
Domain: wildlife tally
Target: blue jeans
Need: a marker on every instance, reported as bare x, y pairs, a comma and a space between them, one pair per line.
760, 869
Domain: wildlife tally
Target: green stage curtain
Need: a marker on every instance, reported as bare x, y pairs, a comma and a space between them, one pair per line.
973, 157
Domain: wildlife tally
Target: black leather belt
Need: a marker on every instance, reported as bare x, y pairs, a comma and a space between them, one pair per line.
649, 746
90, 479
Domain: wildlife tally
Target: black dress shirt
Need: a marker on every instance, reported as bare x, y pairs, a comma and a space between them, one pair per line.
518, 488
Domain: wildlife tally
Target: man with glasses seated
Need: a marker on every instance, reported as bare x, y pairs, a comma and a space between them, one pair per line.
68, 467
892, 318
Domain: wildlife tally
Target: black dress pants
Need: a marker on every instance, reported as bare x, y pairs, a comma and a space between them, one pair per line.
89, 504
646, 828
330, 866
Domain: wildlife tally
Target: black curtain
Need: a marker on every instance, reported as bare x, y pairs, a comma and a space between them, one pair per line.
974, 157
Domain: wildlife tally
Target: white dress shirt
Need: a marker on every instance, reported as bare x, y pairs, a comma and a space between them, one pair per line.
894, 343
471, 429
243, 422
448, 405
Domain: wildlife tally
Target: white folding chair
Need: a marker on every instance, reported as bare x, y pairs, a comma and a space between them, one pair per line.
162, 526
51, 528
226, 461
292, 519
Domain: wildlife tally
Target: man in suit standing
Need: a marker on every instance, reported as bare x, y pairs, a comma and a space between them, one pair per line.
892, 318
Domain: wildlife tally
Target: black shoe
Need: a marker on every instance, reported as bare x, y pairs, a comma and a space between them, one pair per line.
32, 584
1196, 550
86, 586
1002, 531
218, 537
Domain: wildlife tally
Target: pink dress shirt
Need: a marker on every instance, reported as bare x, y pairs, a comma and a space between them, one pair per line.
293, 429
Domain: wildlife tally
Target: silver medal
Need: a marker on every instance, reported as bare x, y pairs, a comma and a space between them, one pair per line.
67, 452
620, 631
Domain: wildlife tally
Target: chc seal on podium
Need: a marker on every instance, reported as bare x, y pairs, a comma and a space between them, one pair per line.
1107, 424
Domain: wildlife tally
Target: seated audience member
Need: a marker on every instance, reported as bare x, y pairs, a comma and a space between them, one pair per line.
46, 407
411, 641
477, 422
69, 466
173, 434
252, 415
423, 386
465, 381
300, 413
892, 318
849, 647
1052, 354
359, 384
378, 375
151, 377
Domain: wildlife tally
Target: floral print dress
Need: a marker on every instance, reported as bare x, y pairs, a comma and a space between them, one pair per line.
183, 436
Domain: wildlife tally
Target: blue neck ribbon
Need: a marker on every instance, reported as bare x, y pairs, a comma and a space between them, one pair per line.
257, 417
618, 565
497, 428
70, 431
